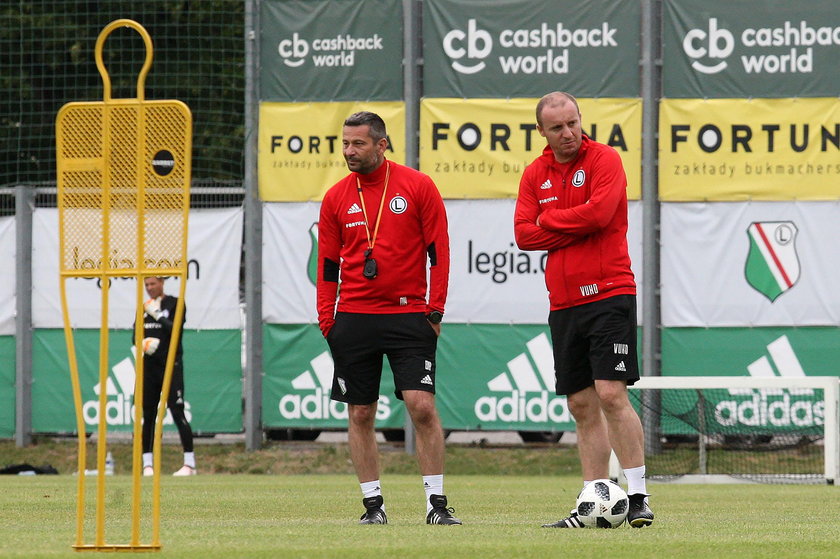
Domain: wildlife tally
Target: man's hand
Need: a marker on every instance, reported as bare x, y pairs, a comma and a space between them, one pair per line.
150, 345
152, 307
326, 327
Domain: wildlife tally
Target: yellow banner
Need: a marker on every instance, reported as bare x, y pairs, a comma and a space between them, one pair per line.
300, 151
749, 149
478, 148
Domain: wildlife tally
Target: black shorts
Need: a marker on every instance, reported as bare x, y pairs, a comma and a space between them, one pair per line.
358, 342
594, 341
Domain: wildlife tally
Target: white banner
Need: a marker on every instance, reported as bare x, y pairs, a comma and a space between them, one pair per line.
491, 280
290, 246
212, 295
750, 264
7, 286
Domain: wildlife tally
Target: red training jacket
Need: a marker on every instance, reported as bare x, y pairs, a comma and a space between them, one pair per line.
582, 206
413, 228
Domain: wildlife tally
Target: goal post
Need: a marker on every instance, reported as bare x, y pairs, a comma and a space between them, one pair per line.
717, 429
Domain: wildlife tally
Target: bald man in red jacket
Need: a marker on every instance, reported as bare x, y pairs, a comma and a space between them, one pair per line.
573, 203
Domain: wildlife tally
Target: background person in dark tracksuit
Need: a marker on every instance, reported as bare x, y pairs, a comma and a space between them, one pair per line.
158, 317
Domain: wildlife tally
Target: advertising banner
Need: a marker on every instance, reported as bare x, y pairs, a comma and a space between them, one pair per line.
491, 280
492, 377
521, 48
499, 378
742, 351
762, 48
749, 149
7, 387
300, 146
757, 352
7, 287
750, 263
296, 384
478, 148
328, 50
212, 381
212, 295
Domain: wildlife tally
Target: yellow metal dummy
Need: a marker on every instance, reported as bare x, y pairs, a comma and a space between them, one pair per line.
123, 199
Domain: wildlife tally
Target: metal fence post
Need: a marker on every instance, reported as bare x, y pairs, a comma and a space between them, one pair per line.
651, 83
253, 239
24, 206
412, 36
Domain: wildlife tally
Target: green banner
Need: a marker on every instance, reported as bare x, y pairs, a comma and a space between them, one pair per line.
812, 351
499, 377
298, 377
493, 377
760, 352
7, 387
762, 48
212, 381
520, 48
331, 50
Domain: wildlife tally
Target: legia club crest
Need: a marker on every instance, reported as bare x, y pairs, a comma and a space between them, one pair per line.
772, 264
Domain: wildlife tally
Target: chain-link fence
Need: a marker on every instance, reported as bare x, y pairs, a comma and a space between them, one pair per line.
47, 59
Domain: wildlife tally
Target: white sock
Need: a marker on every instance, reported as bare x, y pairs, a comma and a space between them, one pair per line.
147, 460
371, 489
189, 459
636, 480
433, 486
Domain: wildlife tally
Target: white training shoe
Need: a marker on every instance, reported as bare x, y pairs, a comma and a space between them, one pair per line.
186, 471
148, 471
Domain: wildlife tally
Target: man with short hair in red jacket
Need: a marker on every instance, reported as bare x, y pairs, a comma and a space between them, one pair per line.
379, 227
573, 203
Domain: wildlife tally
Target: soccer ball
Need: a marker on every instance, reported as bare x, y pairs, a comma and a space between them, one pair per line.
602, 504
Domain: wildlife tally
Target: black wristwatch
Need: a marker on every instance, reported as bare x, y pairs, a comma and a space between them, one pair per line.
435, 317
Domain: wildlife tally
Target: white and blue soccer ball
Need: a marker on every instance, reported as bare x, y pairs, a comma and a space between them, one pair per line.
602, 504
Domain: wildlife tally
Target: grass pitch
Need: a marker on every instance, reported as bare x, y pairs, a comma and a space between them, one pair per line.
314, 516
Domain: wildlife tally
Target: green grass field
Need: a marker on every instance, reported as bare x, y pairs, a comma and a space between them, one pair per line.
305, 516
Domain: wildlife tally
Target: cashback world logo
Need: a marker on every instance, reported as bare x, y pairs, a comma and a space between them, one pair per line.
785, 48
542, 49
521, 394
339, 50
119, 390
310, 395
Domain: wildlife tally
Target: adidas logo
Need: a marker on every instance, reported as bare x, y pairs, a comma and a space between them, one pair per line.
527, 398
119, 409
775, 407
354, 209
426, 380
546, 185
621, 368
309, 397
786, 362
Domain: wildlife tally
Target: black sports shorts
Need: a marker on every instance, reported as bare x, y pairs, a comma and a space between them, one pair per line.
594, 341
358, 342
